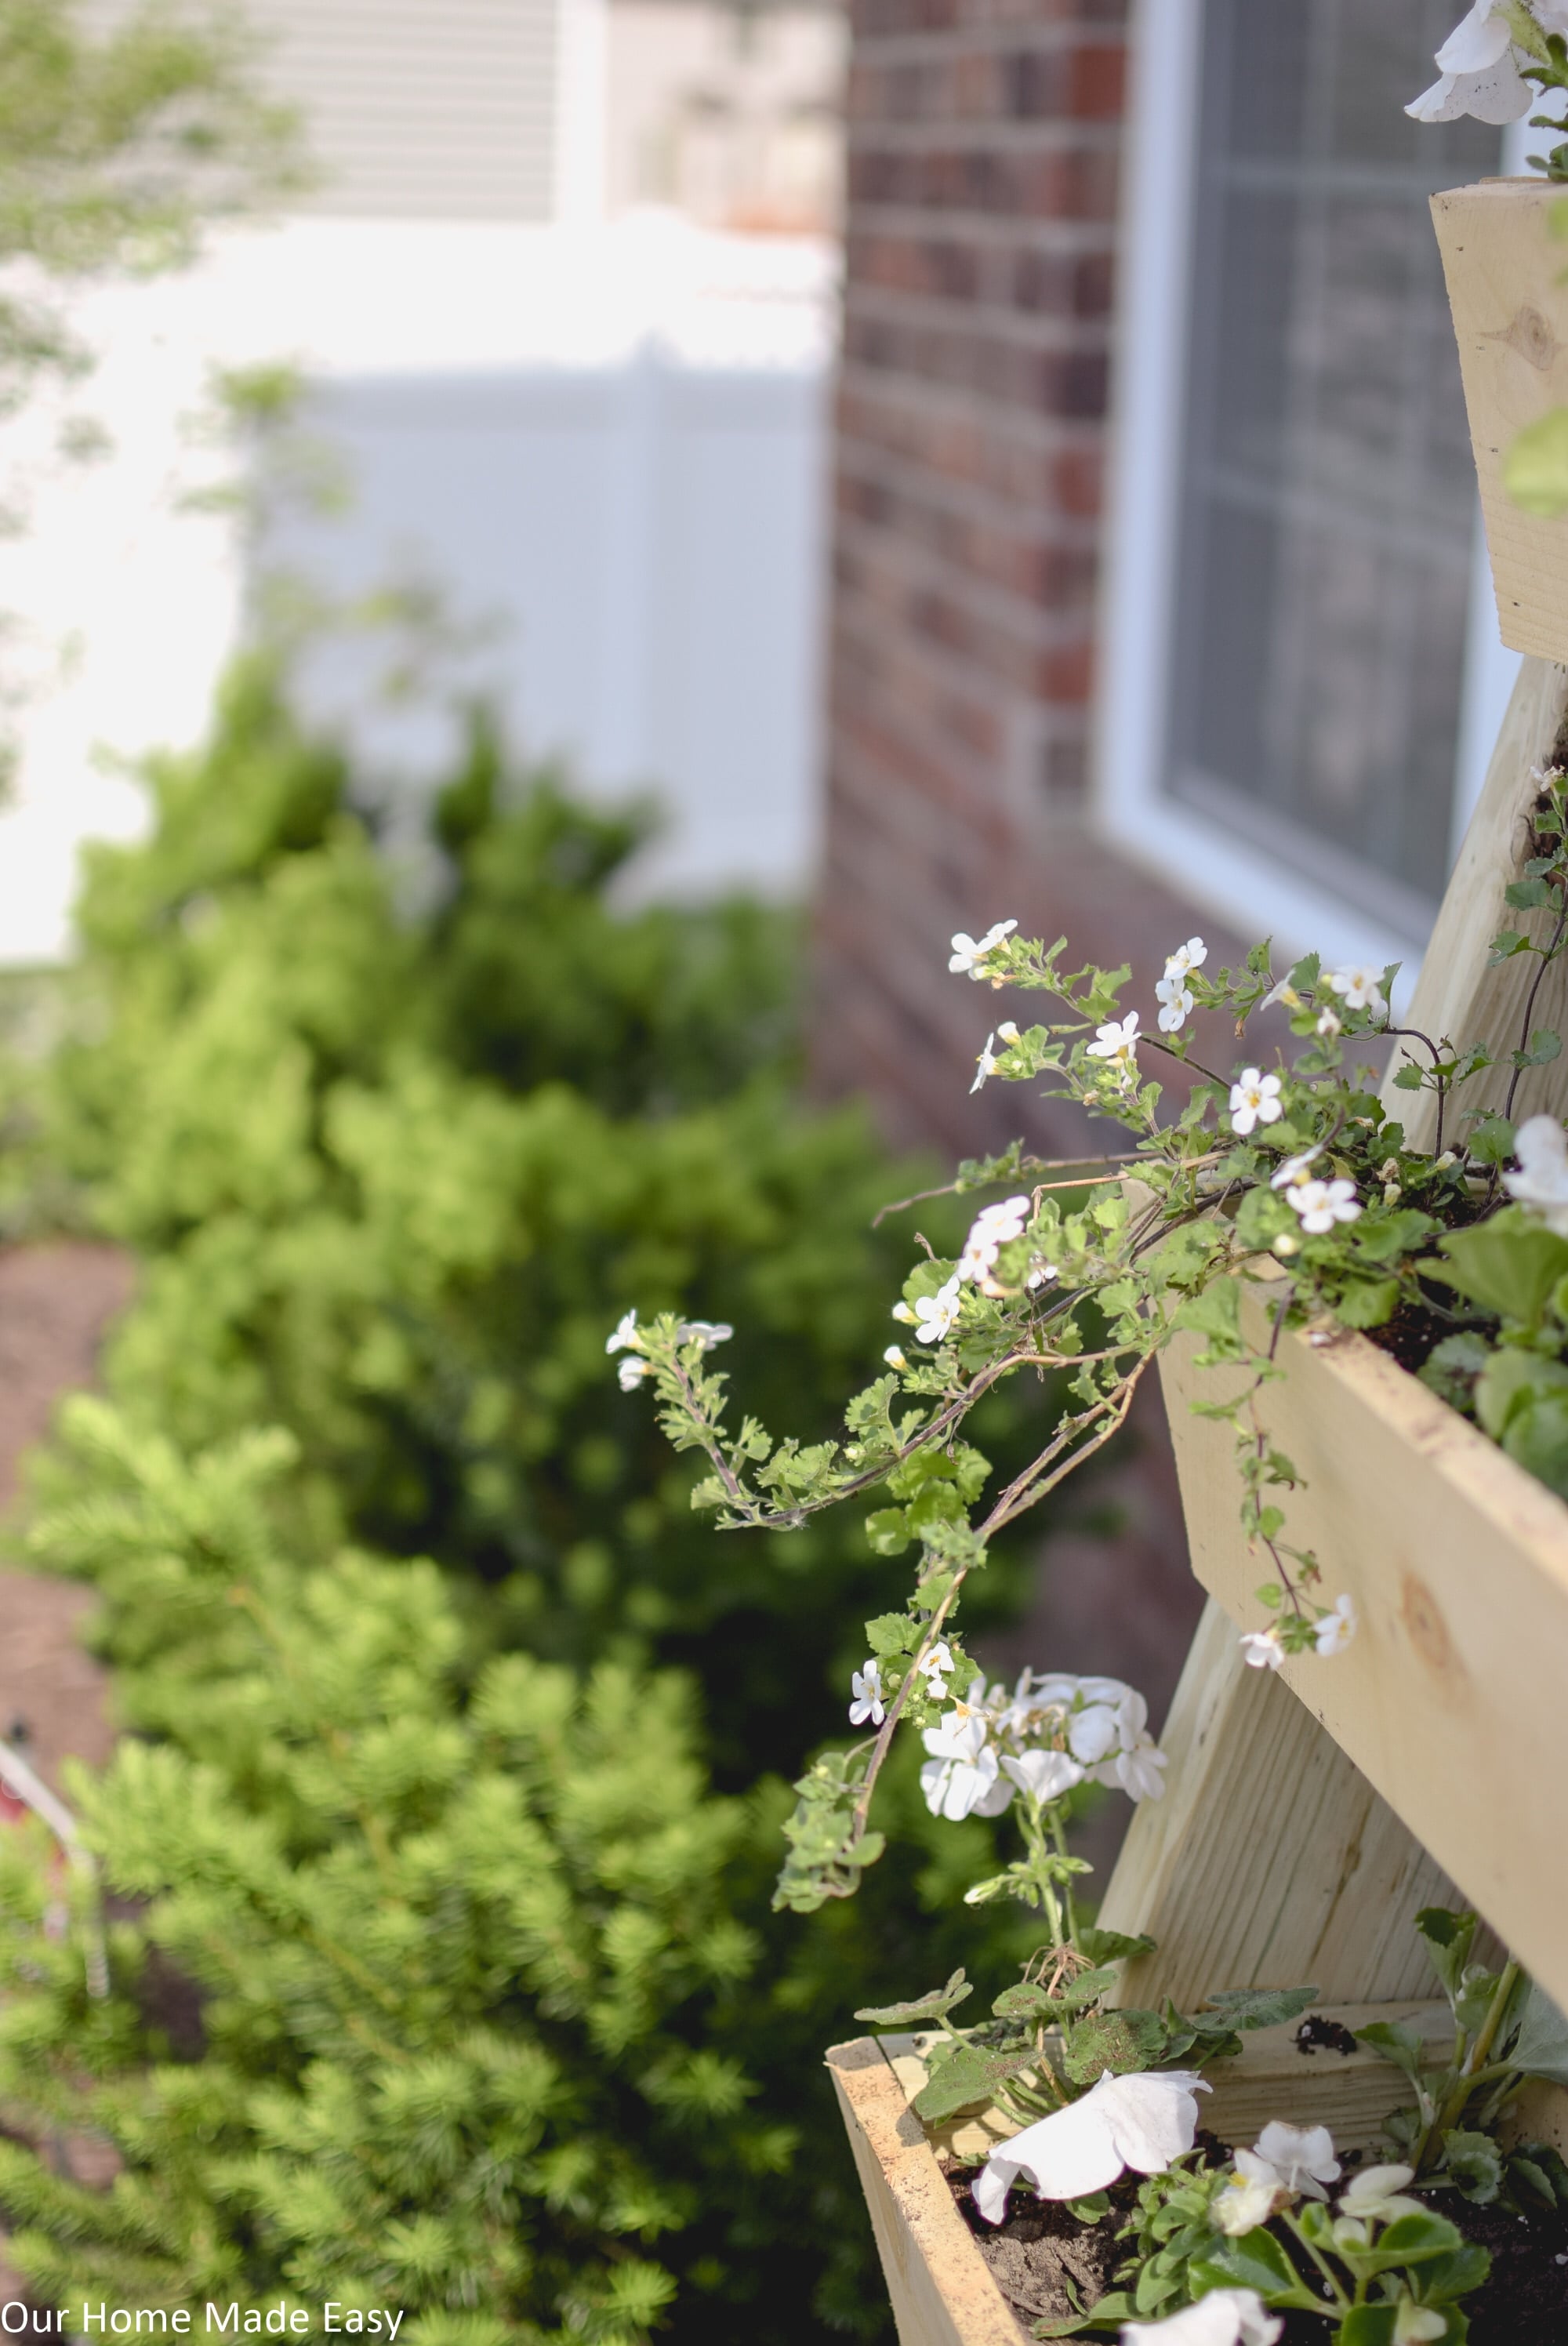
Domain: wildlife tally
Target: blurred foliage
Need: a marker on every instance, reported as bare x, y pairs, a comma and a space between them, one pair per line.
395, 1146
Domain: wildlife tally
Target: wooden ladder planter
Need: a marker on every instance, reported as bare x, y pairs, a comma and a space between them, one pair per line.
1311, 1812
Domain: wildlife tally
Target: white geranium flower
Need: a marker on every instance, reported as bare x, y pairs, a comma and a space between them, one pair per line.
1337, 1627
866, 1685
1142, 2121
625, 1334
1302, 2156
1479, 70
1542, 1181
964, 1777
935, 1314
1192, 955
1091, 1732
1226, 2317
1117, 1041
1255, 1099
1375, 2195
1296, 1168
1362, 987
1137, 1769
1321, 1204
985, 1063
631, 1372
969, 952
1252, 2195
1261, 1649
1047, 1774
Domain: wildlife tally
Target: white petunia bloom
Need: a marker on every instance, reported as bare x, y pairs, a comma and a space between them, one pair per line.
1302, 2156
1296, 1168
1261, 1649
631, 1372
1253, 2195
1337, 1626
1376, 2195
1479, 70
935, 1314
1255, 1099
1362, 987
625, 1334
1117, 1042
1226, 2317
1047, 1774
1321, 1204
866, 1685
1142, 2121
969, 952
1175, 1004
985, 1063
1542, 1181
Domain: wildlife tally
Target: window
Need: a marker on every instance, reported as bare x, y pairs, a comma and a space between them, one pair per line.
1299, 679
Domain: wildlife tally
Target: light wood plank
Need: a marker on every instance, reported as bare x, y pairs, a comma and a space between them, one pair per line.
1452, 1699
1271, 1862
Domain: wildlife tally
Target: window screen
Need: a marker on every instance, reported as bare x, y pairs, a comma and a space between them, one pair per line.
1328, 493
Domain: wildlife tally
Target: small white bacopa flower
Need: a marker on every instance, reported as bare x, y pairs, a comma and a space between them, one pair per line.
969, 953
1301, 2156
1362, 987
1296, 1168
1254, 1099
631, 1372
1226, 2317
1261, 1649
625, 1334
1142, 2121
1542, 1181
1117, 1042
1321, 1204
894, 1357
1192, 955
935, 1314
993, 1229
706, 1333
985, 1063
866, 1685
1337, 1627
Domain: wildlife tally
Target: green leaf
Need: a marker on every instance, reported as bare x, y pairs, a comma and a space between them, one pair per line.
1449, 1935
1509, 1263
968, 2081
1255, 2262
1475, 2163
1400, 2045
1409, 2240
892, 1633
923, 2008
1118, 2040
1366, 1303
1541, 2047
1491, 1140
1113, 1946
1251, 2007
1535, 466
1368, 2325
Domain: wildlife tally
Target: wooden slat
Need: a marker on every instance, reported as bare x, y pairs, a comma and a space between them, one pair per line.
942, 2290
1452, 1700
1457, 994
1271, 1862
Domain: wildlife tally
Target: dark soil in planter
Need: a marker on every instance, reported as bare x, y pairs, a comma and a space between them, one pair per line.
1042, 2253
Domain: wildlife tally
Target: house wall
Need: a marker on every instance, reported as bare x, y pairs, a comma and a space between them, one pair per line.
982, 193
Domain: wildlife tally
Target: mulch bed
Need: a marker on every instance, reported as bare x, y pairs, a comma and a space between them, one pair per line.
1040, 2250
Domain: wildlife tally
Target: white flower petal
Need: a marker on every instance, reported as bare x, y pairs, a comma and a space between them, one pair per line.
1226, 2317
1480, 40
1047, 1774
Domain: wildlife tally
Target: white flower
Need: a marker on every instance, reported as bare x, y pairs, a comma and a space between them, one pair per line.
1321, 1204
1137, 1770
632, 1371
707, 1332
1415, 2324
969, 952
1542, 1181
1174, 1002
895, 1358
1091, 1732
1008, 1031
936, 1666
964, 1777
866, 1685
1254, 1100
1261, 1649
985, 1063
935, 1314
1374, 2196
1251, 2196
1226, 2317
1281, 991
1362, 987
905, 1312
625, 1334
1296, 1168
1142, 2121
1335, 1628
1478, 68
1047, 1774
1192, 955
1039, 1273
1302, 2156
1329, 1022
1118, 1041
993, 1226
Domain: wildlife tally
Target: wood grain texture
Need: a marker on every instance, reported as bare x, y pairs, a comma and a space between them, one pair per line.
1457, 994
1271, 1862
1452, 1700
941, 2292
1510, 303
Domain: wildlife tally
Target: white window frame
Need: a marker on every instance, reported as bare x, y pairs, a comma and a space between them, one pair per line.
1256, 893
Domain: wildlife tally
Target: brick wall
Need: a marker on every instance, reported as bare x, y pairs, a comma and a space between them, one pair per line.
983, 141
